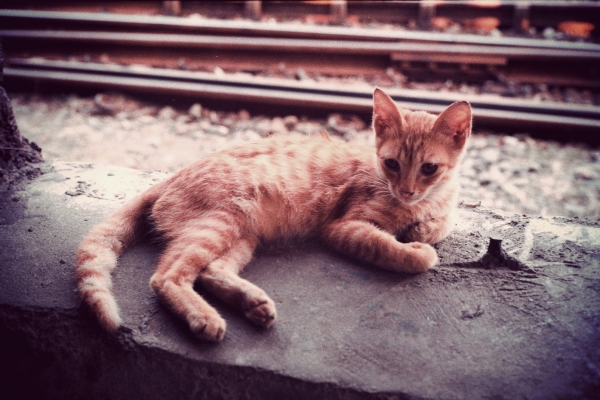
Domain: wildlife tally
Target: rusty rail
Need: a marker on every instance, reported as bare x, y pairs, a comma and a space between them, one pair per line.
514, 15
417, 54
423, 51
487, 110
17, 19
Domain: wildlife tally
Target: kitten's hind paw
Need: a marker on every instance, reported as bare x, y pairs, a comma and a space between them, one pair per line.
261, 311
211, 329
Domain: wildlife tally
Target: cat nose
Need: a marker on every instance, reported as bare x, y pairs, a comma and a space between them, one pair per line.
406, 194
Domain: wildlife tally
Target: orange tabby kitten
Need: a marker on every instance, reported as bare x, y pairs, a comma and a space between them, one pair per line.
215, 212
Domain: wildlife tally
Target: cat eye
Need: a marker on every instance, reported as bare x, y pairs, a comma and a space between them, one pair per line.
391, 164
429, 169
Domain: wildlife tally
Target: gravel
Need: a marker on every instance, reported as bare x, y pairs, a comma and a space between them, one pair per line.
514, 173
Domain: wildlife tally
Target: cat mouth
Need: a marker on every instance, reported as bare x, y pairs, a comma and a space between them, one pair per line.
408, 200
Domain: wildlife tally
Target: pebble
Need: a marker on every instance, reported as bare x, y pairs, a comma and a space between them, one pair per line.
290, 122
220, 130
146, 119
549, 33
244, 115
490, 155
301, 75
195, 111
586, 173
278, 126
166, 113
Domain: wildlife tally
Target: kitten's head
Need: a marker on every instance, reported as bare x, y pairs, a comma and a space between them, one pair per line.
418, 152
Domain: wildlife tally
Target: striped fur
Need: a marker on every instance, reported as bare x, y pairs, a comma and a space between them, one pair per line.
215, 212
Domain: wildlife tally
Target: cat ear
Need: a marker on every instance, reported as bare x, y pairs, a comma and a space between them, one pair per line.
455, 122
387, 119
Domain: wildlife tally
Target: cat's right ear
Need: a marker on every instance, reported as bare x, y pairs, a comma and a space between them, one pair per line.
387, 119
455, 122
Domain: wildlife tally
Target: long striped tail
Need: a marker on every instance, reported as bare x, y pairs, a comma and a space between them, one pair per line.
98, 253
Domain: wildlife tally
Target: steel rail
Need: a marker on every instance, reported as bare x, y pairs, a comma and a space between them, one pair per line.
252, 28
365, 91
297, 45
310, 96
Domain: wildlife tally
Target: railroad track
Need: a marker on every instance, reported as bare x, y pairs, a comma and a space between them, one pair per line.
489, 111
417, 54
137, 39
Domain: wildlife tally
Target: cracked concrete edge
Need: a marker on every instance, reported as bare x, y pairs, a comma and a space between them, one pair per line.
67, 358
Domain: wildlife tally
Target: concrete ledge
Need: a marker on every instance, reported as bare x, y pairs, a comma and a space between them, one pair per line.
524, 323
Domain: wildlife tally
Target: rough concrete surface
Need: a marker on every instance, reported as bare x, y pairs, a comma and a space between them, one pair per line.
521, 324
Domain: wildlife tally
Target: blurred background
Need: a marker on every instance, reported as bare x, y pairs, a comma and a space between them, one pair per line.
157, 85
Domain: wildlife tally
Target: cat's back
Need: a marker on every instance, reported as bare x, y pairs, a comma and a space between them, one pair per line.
283, 160
286, 178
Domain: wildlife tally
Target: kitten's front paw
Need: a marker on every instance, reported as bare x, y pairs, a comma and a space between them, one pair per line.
423, 232
430, 231
261, 311
421, 257
209, 328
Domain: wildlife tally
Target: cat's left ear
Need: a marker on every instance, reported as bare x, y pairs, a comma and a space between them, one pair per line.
387, 118
455, 122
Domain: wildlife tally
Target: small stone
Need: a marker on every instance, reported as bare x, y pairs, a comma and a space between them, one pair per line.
195, 111
585, 173
167, 113
549, 33
290, 122
474, 204
334, 121
248, 135
490, 155
301, 75
244, 115
221, 130
573, 96
147, 119
496, 33
278, 127
228, 121
114, 103
263, 127
214, 117
309, 128
205, 125
510, 141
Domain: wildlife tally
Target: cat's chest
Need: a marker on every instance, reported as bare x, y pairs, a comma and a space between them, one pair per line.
397, 219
